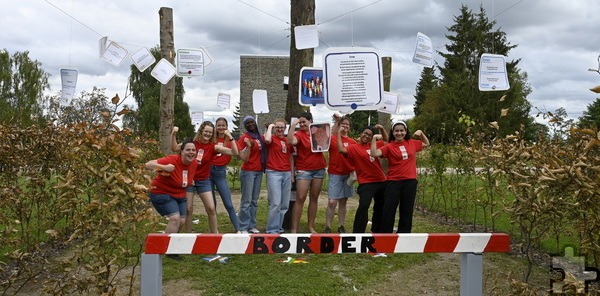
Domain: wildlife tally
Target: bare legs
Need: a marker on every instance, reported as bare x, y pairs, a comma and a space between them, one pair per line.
330, 212
209, 206
312, 188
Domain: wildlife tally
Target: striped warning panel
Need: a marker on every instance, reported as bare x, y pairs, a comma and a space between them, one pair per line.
192, 243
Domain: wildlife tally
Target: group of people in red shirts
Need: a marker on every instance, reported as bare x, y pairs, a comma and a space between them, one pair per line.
200, 165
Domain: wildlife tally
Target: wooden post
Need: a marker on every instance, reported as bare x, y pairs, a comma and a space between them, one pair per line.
385, 118
167, 91
302, 12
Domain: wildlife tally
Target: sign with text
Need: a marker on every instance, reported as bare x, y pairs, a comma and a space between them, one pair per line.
492, 73
423, 51
197, 118
143, 59
390, 103
223, 101
163, 71
190, 62
353, 78
68, 79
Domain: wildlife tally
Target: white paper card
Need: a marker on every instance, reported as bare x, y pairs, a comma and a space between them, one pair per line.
197, 118
68, 79
190, 62
102, 46
143, 59
423, 51
260, 102
306, 37
223, 101
390, 103
163, 71
492, 73
114, 53
352, 78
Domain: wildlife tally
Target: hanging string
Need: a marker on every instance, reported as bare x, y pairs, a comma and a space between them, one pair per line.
71, 36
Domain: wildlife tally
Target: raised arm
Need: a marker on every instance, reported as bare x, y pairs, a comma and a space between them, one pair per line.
154, 165
291, 139
340, 145
336, 124
375, 152
174, 146
244, 154
383, 132
269, 133
233, 151
419, 135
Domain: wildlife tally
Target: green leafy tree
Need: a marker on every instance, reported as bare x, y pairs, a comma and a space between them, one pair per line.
146, 92
440, 108
22, 85
591, 116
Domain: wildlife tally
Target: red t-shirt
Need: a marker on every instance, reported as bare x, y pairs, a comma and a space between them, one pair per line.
205, 153
223, 159
402, 159
175, 182
338, 162
306, 159
368, 169
253, 164
279, 154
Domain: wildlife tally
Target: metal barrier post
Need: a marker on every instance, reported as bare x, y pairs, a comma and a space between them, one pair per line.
471, 274
151, 275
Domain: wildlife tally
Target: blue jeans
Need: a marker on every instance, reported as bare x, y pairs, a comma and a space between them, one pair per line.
249, 202
218, 177
279, 188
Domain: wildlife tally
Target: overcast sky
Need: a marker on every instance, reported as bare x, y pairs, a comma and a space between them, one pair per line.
557, 40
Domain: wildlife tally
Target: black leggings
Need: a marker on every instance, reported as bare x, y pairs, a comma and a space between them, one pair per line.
401, 195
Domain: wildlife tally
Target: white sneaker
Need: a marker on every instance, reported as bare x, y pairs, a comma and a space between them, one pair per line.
243, 232
254, 230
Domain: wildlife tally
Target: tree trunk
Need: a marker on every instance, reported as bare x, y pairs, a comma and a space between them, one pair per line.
302, 13
385, 118
167, 91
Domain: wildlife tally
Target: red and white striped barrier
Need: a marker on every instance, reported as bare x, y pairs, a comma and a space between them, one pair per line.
471, 246
189, 243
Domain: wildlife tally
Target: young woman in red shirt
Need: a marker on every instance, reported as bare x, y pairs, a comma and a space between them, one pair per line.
401, 188
206, 151
310, 171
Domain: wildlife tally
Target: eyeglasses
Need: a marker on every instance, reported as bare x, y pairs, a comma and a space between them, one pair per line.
280, 127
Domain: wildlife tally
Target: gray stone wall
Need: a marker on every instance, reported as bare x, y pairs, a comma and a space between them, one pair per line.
263, 72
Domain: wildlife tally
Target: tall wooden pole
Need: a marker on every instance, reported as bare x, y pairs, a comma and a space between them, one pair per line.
167, 91
302, 12
385, 118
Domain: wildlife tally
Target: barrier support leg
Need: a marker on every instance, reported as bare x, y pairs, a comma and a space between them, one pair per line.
151, 275
471, 274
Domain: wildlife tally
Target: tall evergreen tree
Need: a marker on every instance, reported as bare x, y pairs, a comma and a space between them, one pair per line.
427, 82
236, 121
458, 95
22, 85
591, 116
146, 92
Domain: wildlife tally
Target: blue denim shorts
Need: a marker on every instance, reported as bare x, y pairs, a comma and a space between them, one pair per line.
167, 205
311, 174
338, 187
200, 186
